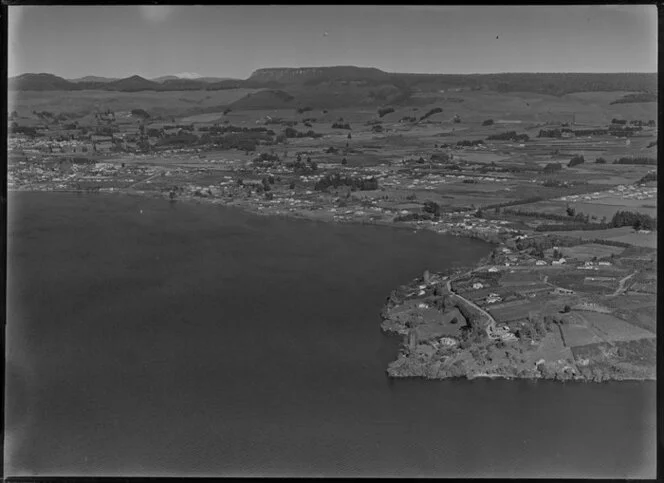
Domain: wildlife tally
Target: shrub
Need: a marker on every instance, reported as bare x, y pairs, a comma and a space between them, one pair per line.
552, 168
600, 160
340, 125
431, 207
488, 122
636, 160
576, 160
384, 111
430, 113
508, 136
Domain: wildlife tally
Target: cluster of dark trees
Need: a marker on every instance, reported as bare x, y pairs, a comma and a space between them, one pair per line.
341, 125
244, 141
408, 119
652, 176
509, 136
14, 128
140, 113
545, 242
430, 113
600, 160
488, 122
637, 97
303, 166
552, 168
377, 128
623, 131
523, 201
638, 221
266, 159
576, 160
302, 110
290, 132
558, 133
181, 139
384, 111
229, 128
636, 160
465, 142
414, 217
440, 157
578, 217
432, 207
334, 180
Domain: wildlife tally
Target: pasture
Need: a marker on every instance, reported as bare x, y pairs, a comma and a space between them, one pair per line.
160, 103
588, 251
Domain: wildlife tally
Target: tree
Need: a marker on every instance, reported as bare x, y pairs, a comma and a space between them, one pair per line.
344, 162
567, 309
570, 211
349, 137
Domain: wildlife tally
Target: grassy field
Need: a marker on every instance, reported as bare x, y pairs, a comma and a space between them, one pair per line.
612, 329
588, 251
171, 103
623, 234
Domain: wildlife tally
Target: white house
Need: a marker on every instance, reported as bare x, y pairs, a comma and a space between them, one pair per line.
540, 262
493, 269
605, 264
477, 285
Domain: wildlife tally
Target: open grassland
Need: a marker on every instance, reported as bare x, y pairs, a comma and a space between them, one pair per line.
612, 329
165, 103
589, 251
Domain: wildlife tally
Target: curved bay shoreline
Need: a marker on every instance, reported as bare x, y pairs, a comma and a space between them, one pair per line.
449, 359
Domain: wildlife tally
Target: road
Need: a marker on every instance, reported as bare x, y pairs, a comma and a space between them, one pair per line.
147, 179
492, 322
621, 285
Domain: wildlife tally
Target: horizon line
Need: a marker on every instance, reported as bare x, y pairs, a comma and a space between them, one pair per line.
322, 67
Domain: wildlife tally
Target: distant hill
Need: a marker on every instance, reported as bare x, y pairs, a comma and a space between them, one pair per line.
340, 79
93, 78
133, 84
316, 74
164, 78
182, 85
268, 99
40, 82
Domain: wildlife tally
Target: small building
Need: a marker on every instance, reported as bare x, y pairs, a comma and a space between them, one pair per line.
493, 269
560, 261
477, 285
605, 264
540, 262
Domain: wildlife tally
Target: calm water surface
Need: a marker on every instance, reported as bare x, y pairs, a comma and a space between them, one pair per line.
149, 338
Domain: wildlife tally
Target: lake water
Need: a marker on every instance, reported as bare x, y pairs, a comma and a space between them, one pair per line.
150, 338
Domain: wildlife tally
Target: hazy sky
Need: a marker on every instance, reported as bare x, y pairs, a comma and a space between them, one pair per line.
232, 41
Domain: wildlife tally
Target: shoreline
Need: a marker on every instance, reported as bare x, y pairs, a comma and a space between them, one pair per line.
403, 366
